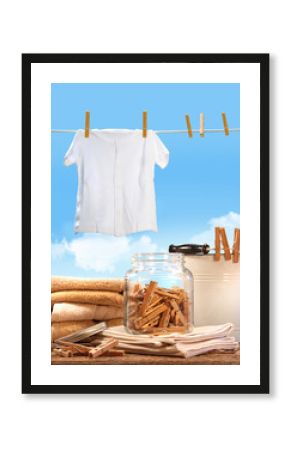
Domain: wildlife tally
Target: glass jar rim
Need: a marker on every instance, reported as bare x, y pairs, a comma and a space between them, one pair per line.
158, 257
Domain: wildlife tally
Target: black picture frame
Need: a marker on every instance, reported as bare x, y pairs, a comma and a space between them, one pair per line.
263, 61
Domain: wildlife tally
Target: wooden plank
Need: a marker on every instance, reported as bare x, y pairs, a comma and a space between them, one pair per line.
213, 358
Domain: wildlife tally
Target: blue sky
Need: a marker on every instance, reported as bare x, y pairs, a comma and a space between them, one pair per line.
198, 189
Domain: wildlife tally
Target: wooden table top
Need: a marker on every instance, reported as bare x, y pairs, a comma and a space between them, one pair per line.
220, 357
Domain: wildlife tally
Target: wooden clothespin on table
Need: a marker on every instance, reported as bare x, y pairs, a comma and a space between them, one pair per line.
225, 122
87, 124
201, 125
220, 235
188, 124
236, 246
144, 124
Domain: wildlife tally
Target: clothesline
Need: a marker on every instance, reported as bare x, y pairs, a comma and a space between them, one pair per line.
166, 131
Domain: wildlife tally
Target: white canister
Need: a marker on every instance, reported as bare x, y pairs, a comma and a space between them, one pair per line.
216, 286
216, 291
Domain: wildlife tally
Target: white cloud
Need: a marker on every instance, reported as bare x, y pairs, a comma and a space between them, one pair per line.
58, 250
230, 221
102, 253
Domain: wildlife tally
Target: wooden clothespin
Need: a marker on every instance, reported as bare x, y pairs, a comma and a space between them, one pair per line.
188, 124
225, 122
225, 244
201, 125
220, 235
144, 124
87, 125
236, 246
217, 245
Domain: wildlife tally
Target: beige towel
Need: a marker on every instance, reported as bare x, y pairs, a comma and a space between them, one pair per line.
93, 297
89, 284
61, 329
115, 322
74, 311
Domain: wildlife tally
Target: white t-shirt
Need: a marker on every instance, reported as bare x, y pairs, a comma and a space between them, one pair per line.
116, 180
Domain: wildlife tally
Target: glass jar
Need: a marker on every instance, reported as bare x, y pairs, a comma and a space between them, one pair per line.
158, 294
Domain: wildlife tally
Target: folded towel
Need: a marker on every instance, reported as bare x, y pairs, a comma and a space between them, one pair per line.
93, 297
182, 350
197, 334
61, 329
114, 322
199, 340
70, 284
197, 348
74, 311
163, 350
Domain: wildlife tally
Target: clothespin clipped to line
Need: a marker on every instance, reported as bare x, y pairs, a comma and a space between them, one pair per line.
201, 125
221, 237
187, 118
144, 134
225, 122
188, 124
87, 124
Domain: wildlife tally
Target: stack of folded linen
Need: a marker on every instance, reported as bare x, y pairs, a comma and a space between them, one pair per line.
78, 303
200, 340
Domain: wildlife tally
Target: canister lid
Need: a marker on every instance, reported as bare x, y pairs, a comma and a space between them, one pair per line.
190, 249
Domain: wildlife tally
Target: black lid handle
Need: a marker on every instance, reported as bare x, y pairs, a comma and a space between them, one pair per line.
190, 249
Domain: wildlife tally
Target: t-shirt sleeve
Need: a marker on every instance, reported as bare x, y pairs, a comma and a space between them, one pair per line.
72, 155
161, 153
